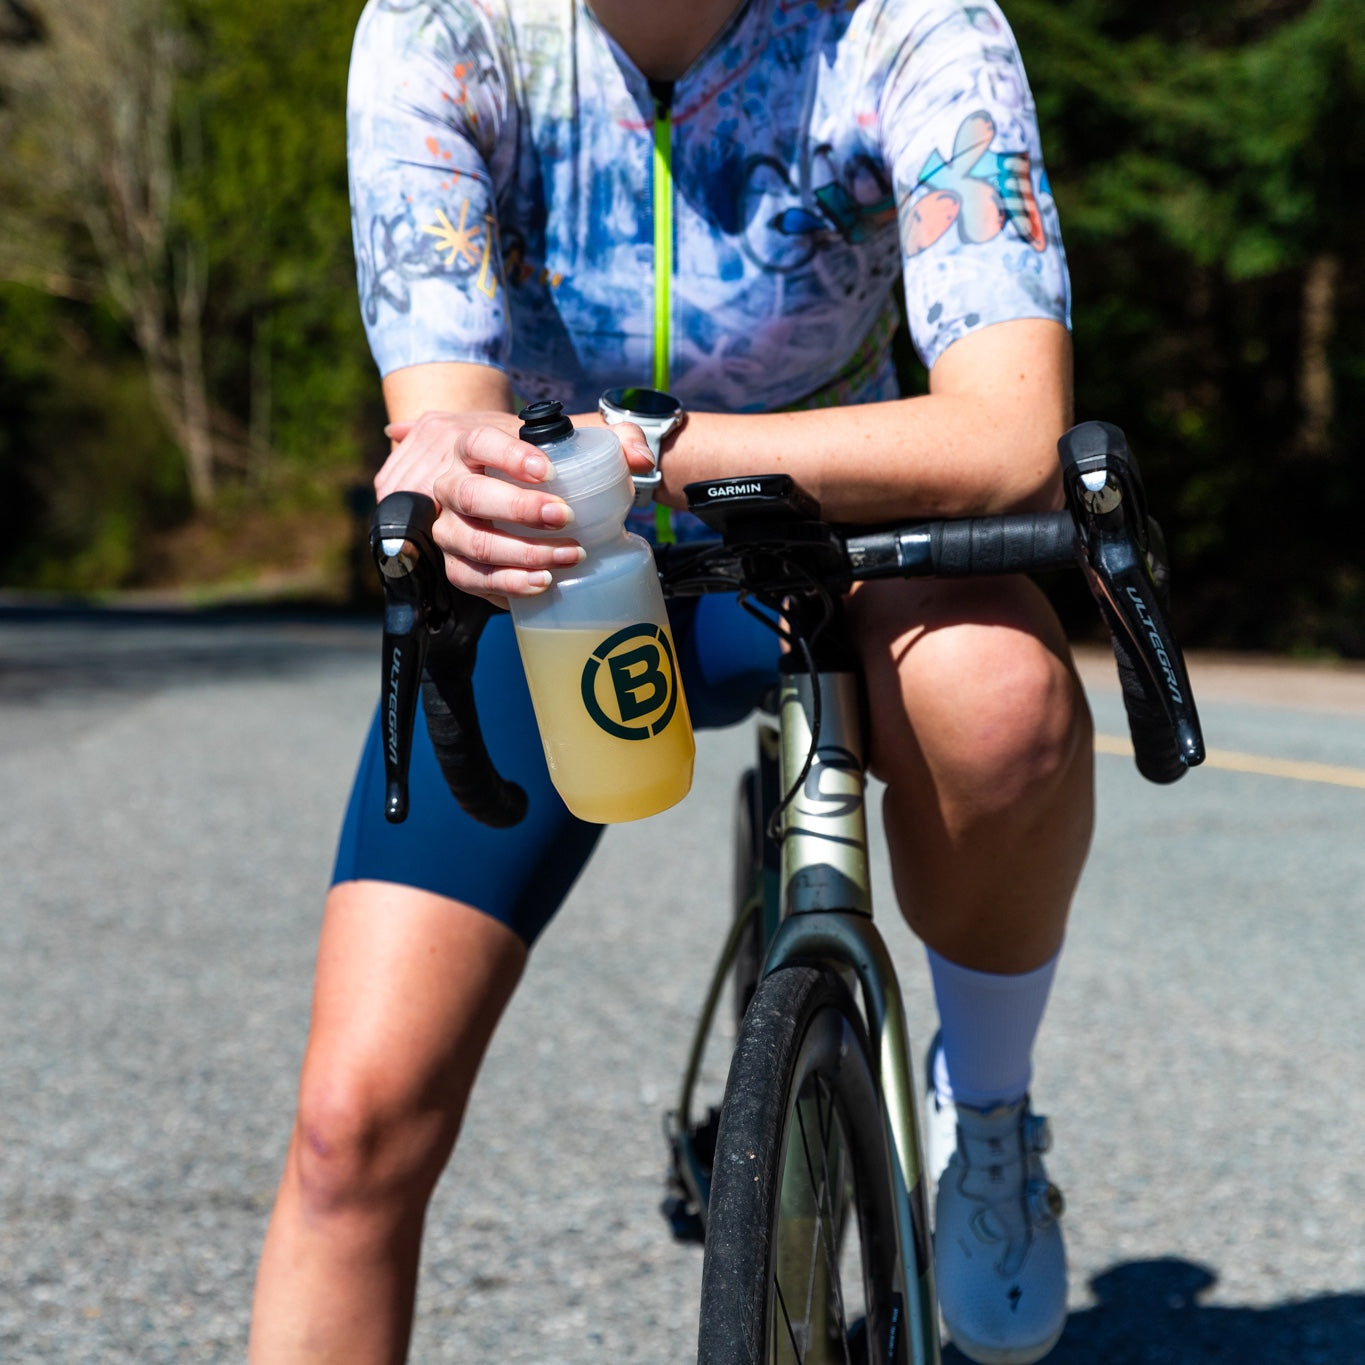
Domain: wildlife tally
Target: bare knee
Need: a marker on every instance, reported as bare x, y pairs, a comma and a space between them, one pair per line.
361, 1153
1001, 723
974, 698
981, 732
409, 988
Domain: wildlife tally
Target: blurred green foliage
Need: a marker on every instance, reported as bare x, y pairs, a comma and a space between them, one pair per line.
1207, 162
1210, 175
90, 479
85, 474
265, 196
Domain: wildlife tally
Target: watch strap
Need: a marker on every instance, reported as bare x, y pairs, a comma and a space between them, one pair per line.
655, 429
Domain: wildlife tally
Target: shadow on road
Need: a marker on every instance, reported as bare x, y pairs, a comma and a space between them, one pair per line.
1149, 1314
54, 651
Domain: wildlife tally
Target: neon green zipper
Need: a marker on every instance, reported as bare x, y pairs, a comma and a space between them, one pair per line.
663, 273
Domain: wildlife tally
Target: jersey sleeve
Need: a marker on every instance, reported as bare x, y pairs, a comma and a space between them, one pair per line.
427, 112
979, 237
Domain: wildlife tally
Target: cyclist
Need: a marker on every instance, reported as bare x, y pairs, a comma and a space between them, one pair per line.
508, 163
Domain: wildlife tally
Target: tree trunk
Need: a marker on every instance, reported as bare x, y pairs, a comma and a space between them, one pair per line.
1317, 399
258, 426
194, 399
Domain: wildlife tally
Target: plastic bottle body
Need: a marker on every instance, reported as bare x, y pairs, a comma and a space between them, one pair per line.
600, 662
603, 676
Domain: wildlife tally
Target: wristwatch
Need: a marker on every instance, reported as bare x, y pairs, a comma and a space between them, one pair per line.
657, 414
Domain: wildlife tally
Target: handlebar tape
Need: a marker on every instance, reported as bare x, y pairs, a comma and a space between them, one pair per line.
1000, 545
453, 722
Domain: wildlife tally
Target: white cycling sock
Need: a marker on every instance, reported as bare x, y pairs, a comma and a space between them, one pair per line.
988, 1023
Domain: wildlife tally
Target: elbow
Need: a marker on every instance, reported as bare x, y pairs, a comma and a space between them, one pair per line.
1011, 393
1034, 484
1025, 473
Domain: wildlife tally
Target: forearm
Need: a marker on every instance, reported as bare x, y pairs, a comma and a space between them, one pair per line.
423, 445
982, 440
446, 387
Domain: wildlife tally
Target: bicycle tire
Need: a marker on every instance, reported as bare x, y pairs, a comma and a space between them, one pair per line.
801, 1116
757, 859
748, 892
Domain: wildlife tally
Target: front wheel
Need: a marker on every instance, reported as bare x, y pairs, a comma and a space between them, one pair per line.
757, 865
802, 1254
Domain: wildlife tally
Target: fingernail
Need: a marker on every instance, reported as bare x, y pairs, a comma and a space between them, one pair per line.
556, 514
570, 554
538, 467
388, 430
539, 578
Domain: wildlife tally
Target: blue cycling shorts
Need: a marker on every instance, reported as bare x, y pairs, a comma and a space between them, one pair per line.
520, 876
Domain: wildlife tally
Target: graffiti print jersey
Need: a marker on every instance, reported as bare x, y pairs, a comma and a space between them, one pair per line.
503, 164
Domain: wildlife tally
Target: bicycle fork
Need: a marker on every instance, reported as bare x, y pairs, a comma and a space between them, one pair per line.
826, 917
823, 894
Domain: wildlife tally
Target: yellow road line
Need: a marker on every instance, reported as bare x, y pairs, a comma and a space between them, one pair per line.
1232, 761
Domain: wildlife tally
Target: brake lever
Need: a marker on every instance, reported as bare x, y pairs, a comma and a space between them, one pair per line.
416, 607
1122, 553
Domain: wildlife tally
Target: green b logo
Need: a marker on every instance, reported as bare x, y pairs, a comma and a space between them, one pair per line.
632, 674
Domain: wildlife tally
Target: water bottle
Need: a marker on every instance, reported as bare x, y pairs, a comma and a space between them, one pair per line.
596, 644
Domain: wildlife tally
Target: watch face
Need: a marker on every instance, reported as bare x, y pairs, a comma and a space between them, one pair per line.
643, 402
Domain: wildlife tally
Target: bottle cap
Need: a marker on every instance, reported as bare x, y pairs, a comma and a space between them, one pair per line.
591, 473
587, 460
544, 422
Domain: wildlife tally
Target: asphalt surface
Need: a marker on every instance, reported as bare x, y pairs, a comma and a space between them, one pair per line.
169, 794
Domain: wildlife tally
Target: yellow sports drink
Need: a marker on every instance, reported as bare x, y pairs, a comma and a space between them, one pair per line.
596, 645
612, 718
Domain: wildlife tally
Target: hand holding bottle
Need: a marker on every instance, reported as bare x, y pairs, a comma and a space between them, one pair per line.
449, 456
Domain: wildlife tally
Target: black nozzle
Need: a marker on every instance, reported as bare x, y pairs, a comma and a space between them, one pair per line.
544, 422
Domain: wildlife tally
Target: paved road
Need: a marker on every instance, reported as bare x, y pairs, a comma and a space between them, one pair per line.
169, 791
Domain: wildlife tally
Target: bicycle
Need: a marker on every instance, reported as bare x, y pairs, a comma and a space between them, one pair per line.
807, 1183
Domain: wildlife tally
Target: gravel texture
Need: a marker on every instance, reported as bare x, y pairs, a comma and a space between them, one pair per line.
169, 794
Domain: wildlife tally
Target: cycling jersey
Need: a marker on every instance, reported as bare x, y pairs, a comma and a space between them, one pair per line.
506, 175
523, 198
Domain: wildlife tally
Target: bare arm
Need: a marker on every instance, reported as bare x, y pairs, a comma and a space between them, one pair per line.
450, 423
984, 439
473, 391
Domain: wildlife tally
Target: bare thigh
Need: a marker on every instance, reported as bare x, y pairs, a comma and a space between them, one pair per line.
408, 989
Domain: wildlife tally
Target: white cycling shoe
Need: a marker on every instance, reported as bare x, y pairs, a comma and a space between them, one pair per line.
998, 1254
